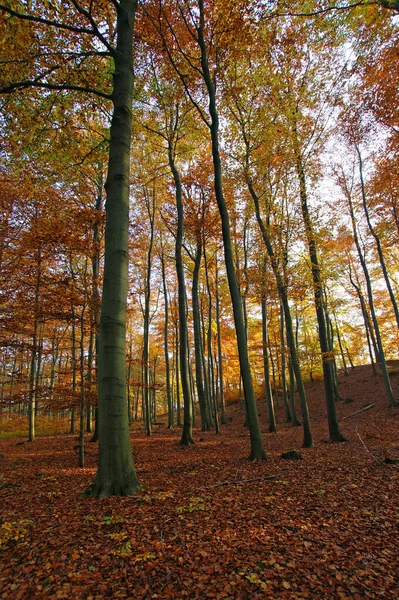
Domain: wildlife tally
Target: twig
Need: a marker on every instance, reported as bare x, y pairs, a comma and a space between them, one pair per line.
379, 462
358, 411
235, 481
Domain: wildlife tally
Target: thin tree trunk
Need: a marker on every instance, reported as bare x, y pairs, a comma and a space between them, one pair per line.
326, 355
187, 433
198, 353
220, 355
282, 291
211, 377
289, 417
377, 239
257, 450
82, 392
150, 204
269, 397
33, 362
381, 354
169, 400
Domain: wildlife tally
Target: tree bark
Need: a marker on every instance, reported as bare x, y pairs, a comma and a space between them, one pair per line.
257, 450
187, 433
116, 475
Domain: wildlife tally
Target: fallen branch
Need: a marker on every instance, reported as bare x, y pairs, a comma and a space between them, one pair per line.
235, 481
358, 411
379, 462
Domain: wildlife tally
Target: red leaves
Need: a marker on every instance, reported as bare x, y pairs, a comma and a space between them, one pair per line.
325, 527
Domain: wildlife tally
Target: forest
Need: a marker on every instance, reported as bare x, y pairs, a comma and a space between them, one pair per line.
199, 321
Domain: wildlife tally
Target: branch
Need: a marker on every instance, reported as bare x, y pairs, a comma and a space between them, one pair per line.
379, 462
358, 411
92, 22
51, 23
235, 481
384, 3
9, 89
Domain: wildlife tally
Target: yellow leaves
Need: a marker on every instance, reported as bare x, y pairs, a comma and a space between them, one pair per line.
14, 531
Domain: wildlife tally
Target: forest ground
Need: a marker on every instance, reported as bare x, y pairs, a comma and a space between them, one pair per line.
208, 523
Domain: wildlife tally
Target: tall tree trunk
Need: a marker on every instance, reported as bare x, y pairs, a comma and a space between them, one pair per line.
177, 376
282, 292
187, 433
116, 474
341, 349
198, 354
381, 354
82, 391
211, 376
150, 204
371, 341
289, 417
257, 450
269, 397
220, 355
326, 355
33, 361
169, 400
377, 239
96, 303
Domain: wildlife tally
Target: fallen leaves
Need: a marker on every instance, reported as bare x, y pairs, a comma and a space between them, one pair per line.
322, 527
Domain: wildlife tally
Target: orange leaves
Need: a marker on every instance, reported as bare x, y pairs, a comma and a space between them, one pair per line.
326, 528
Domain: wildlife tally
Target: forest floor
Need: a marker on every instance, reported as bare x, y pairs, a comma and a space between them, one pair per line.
208, 523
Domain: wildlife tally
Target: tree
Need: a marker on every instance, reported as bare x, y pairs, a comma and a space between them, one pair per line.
89, 27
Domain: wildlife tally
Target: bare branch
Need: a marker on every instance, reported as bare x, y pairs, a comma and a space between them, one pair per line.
12, 87
49, 22
238, 481
384, 3
92, 22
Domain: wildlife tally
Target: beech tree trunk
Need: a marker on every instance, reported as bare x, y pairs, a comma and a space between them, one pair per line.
116, 475
187, 433
257, 450
327, 356
377, 239
220, 355
269, 397
206, 423
380, 347
166, 346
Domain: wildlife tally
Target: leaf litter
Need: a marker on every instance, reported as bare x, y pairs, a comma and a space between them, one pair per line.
208, 523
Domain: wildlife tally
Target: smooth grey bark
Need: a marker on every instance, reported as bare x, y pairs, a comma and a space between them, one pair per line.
82, 390
96, 296
287, 408
371, 342
257, 450
205, 370
177, 374
116, 475
169, 400
33, 361
206, 423
341, 349
268, 391
380, 347
220, 355
211, 376
287, 318
150, 205
376, 238
187, 433
327, 356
